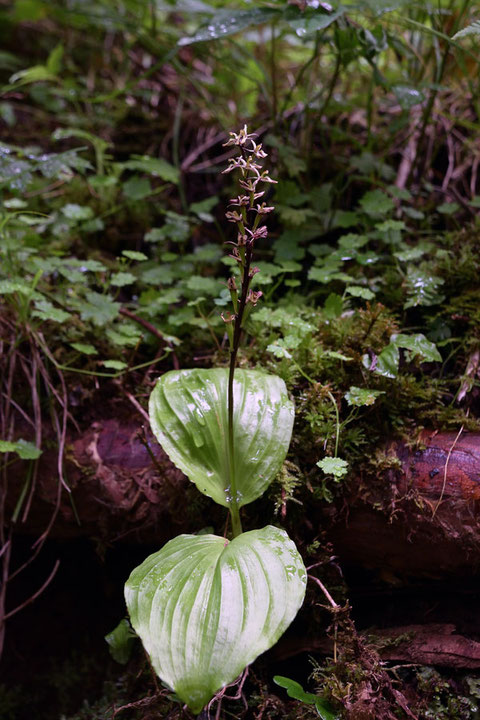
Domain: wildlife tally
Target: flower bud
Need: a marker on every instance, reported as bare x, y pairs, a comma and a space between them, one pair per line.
232, 286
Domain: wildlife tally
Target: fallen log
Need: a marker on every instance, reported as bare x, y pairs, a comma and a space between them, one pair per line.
121, 485
419, 519
432, 644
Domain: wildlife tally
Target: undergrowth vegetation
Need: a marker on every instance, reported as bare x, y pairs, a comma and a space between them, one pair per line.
113, 271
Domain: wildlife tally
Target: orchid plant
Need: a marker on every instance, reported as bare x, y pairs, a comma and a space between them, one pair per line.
205, 606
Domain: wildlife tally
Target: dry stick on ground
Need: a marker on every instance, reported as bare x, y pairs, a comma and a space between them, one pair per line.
35, 594
335, 609
32, 380
152, 329
439, 502
33, 369
220, 695
7, 428
199, 149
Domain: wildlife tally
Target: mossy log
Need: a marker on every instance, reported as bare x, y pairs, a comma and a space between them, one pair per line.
431, 644
121, 486
420, 517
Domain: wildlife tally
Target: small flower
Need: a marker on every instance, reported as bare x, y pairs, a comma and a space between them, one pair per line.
235, 255
257, 151
240, 138
263, 209
265, 177
249, 184
251, 165
236, 162
259, 233
228, 317
240, 200
254, 296
233, 216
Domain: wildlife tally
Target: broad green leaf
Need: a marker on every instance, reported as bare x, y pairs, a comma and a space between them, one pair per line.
294, 216
324, 709
410, 253
158, 167
100, 309
87, 265
188, 414
279, 350
228, 22
205, 608
114, 364
294, 689
361, 292
134, 255
120, 279
176, 228
386, 363
362, 396
418, 345
333, 466
376, 202
77, 212
137, 188
12, 286
333, 306
24, 449
448, 208
311, 22
84, 348
391, 230
327, 274
121, 641
124, 335
46, 311
200, 284
344, 218
352, 241
202, 209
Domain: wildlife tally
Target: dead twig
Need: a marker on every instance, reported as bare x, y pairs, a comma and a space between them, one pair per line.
451, 449
35, 595
151, 329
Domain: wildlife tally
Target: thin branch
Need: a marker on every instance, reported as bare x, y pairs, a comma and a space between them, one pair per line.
36, 594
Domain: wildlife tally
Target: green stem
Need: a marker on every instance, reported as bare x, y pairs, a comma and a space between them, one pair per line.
236, 522
337, 417
234, 509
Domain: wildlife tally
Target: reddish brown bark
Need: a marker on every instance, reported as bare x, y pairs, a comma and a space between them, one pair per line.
431, 644
122, 486
421, 519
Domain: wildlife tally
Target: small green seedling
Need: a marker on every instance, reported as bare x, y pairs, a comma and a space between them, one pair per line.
296, 691
205, 606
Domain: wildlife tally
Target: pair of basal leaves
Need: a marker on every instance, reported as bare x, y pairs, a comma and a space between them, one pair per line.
205, 607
